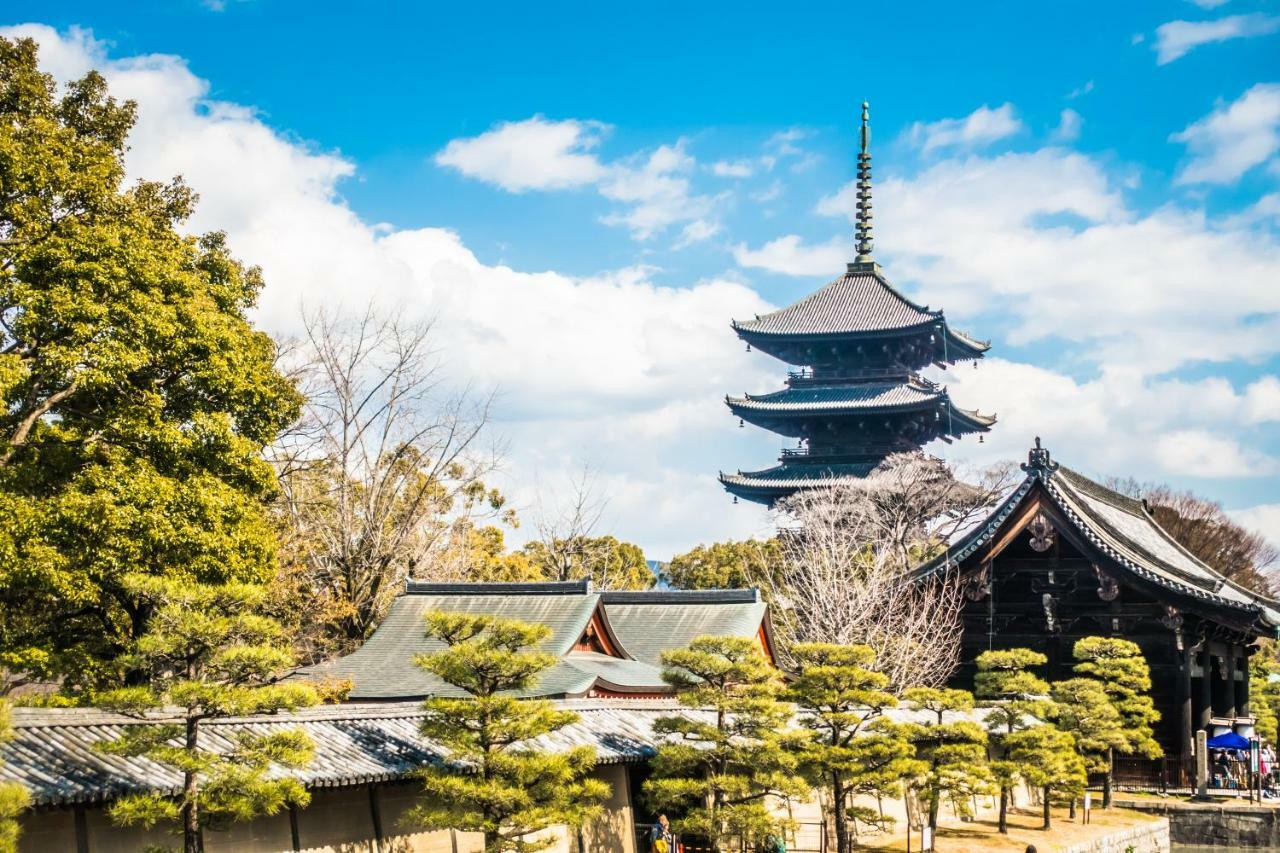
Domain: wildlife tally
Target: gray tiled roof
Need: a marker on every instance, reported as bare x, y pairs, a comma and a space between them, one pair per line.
869, 395
797, 476
854, 302
649, 629
1121, 528
383, 667
54, 753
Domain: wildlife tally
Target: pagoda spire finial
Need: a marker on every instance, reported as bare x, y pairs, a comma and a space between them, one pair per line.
864, 227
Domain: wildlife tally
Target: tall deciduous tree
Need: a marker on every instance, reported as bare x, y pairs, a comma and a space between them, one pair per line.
855, 750
846, 551
492, 780
136, 396
14, 798
383, 477
609, 563
208, 654
1118, 665
716, 770
1005, 676
955, 751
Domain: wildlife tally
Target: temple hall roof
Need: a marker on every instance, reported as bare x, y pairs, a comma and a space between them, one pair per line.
1122, 529
650, 621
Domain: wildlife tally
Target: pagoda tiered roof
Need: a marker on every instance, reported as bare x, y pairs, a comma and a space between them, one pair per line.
865, 398
860, 303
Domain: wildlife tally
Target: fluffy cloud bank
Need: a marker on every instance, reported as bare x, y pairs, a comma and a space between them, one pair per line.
609, 370
981, 127
1176, 39
1234, 138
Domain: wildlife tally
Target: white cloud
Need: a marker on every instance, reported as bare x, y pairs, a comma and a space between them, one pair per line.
534, 154
1233, 138
1264, 518
1209, 4
1178, 38
537, 154
789, 255
588, 369
1068, 129
981, 127
733, 168
1262, 401
1081, 90
1047, 237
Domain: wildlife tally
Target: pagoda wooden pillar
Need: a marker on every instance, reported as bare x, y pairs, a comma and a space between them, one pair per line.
1206, 685
1229, 697
1184, 700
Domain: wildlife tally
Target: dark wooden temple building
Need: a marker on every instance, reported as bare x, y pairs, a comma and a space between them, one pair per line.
857, 395
1063, 557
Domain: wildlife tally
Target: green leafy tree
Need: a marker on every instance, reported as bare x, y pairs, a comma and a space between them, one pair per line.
1118, 665
717, 770
854, 750
207, 654
14, 798
955, 751
725, 565
1264, 694
608, 562
1048, 760
1082, 708
492, 780
135, 396
1004, 676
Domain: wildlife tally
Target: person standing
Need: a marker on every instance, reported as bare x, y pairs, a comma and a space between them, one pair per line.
660, 838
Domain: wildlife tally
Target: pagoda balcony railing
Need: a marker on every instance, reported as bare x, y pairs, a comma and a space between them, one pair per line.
811, 376
841, 452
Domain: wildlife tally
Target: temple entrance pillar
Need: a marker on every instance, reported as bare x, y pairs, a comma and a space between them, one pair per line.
1206, 685
1229, 695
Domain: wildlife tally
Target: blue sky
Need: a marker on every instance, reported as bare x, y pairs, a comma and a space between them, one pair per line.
584, 195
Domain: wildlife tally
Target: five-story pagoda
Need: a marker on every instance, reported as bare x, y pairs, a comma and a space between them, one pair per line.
857, 396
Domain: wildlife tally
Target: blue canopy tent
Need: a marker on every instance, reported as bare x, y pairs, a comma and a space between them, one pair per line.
1228, 740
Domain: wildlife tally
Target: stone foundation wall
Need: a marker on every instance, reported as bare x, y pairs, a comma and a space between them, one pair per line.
1148, 838
1209, 826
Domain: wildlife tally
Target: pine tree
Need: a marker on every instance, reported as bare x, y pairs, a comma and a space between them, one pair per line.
716, 767
14, 798
1082, 708
1122, 670
208, 654
1047, 758
855, 750
1003, 675
492, 780
955, 752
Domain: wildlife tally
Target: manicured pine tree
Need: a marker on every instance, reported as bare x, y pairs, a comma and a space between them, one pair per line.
854, 750
1082, 708
14, 798
1004, 676
1122, 670
1047, 758
207, 654
492, 780
955, 752
717, 766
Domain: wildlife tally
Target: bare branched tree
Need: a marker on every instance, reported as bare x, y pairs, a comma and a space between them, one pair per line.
846, 555
1202, 527
384, 476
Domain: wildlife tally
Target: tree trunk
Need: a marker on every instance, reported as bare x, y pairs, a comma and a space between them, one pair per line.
837, 809
933, 810
1106, 779
1004, 809
1046, 808
1072, 813
191, 840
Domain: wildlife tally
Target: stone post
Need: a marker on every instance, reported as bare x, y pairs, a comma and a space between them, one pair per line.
1202, 763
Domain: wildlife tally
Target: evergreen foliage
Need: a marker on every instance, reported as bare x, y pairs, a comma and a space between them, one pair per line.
725, 565
14, 798
1047, 759
715, 772
854, 750
1083, 709
1004, 676
955, 752
1118, 665
136, 396
608, 562
1264, 694
208, 654
491, 780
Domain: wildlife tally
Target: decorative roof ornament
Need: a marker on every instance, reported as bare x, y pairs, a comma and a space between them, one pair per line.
864, 227
1038, 461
